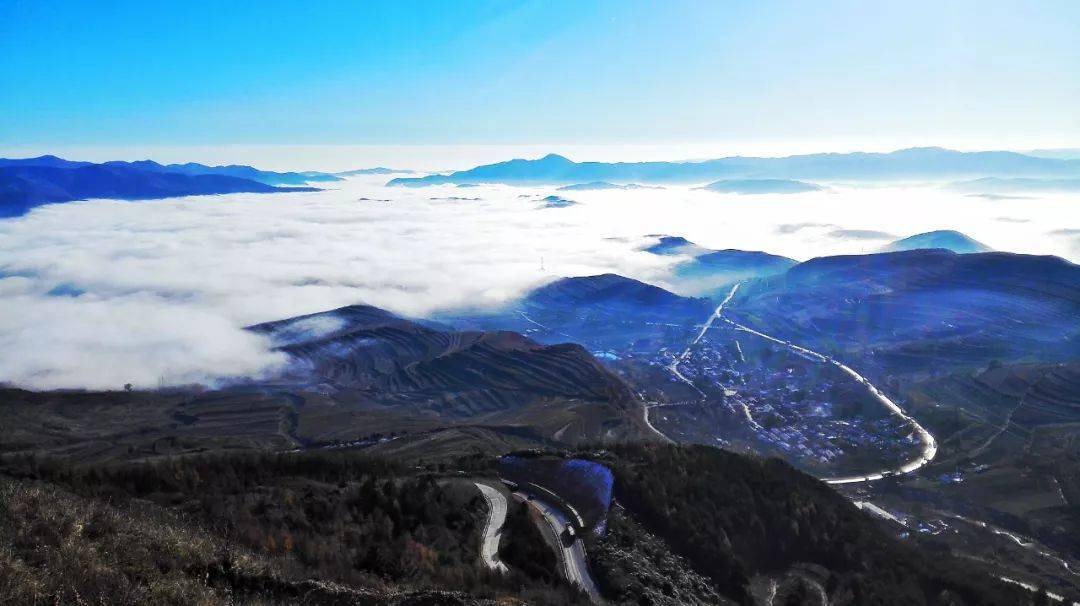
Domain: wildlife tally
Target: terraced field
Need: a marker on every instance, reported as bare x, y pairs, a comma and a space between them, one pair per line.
982, 416
110, 425
924, 310
1009, 440
1054, 398
453, 373
358, 376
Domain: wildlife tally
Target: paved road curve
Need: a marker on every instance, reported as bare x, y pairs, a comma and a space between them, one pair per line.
929, 444
645, 408
573, 559
489, 549
674, 366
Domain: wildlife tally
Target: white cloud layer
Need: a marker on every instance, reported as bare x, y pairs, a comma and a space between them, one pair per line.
101, 293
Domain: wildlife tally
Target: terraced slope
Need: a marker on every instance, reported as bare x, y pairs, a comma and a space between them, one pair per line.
1054, 398
924, 308
100, 426
456, 374
360, 377
1011, 433
1004, 407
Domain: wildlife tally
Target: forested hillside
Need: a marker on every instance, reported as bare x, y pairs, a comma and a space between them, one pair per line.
357, 522
733, 518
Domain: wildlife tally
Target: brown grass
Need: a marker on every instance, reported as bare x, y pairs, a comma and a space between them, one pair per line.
58, 548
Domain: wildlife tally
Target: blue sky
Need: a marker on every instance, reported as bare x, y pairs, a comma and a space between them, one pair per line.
313, 73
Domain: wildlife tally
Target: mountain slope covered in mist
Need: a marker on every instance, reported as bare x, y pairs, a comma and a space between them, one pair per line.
25, 184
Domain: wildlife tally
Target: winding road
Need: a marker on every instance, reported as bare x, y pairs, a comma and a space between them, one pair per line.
929, 444
674, 366
572, 557
489, 549
645, 408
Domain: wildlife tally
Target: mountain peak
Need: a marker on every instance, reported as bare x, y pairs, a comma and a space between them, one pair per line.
674, 245
924, 149
791, 174
602, 289
555, 158
947, 239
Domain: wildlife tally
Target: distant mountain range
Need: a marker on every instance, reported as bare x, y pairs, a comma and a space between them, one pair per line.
947, 239
1065, 153
761, 186
26, 183
378, 170
189, 168
602, 185
915, 163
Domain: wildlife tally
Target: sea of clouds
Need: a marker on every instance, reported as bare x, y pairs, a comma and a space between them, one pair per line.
102, 293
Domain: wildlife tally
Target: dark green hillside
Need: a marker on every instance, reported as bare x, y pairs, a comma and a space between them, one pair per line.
634, 566
734, 517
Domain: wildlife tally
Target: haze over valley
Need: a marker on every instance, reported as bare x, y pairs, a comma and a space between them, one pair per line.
540, 303
226, 261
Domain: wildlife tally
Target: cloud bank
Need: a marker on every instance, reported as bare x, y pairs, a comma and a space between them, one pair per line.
861, 234
101, 293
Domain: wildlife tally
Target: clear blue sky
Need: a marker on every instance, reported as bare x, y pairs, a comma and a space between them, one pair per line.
103, 72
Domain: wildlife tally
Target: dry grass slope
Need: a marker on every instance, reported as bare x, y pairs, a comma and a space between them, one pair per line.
60, 548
